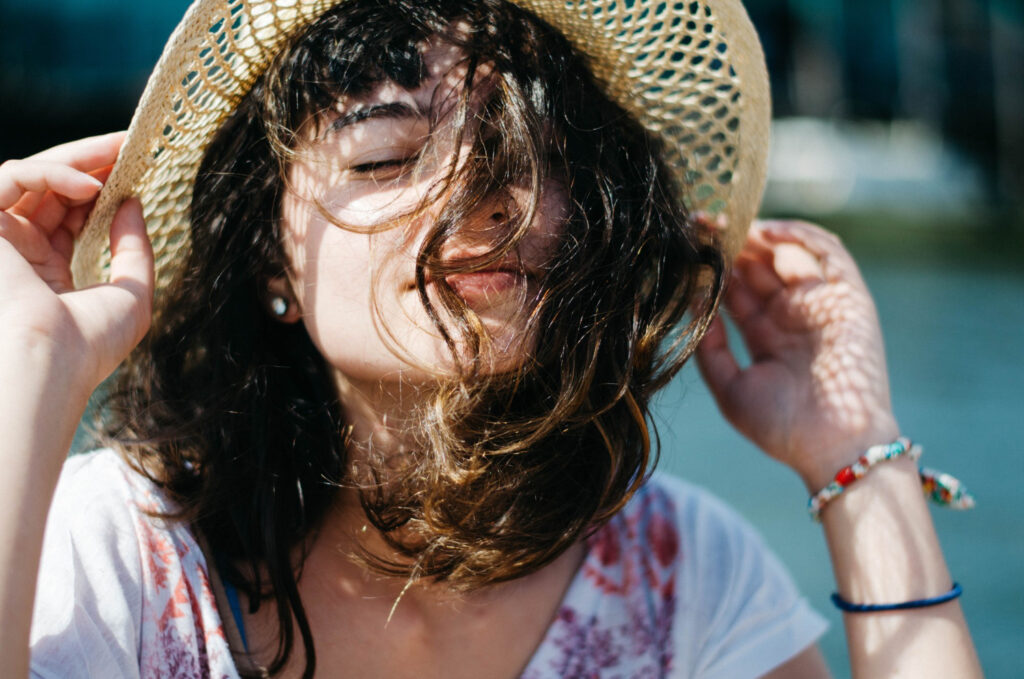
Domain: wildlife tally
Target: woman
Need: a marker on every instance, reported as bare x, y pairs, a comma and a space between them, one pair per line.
392, 405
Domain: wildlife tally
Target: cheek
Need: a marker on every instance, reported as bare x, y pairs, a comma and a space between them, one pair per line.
323, 266
555, 210
541, 244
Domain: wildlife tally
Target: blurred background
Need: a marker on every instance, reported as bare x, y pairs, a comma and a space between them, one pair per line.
898, 124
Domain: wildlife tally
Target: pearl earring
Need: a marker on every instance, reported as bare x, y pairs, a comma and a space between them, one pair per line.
279, 305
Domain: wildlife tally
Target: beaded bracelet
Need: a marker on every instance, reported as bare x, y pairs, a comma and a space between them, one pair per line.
845, 605
945, 490
847, 475
940, 488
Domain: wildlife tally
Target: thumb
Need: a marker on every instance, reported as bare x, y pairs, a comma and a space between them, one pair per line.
795, 264
115, 316
131, 264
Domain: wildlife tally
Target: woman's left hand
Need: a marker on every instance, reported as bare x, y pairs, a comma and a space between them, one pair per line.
816, 393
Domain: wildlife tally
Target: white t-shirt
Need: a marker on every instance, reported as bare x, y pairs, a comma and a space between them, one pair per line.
676, 585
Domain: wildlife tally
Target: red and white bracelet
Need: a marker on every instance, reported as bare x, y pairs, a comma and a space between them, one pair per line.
941, 488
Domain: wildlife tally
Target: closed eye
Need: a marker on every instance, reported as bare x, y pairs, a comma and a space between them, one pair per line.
390, 168
364, 168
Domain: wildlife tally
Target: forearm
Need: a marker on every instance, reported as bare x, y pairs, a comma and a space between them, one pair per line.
38, 415
884, 550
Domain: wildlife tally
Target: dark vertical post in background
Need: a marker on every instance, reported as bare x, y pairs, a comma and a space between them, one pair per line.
970, 119
1006, 23
870, 61
777, 28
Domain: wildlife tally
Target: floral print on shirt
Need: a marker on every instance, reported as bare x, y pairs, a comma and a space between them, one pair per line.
182, 635
617, 619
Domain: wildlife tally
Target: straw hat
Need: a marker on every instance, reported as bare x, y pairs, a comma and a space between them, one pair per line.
691, 72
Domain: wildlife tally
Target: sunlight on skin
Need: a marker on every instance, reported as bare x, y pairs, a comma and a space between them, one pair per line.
353, 268
803, 307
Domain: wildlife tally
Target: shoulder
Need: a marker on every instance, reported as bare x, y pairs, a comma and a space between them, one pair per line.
711, 533
673, 526
100, 514
121, 588
745, 615
105, 511
103, 480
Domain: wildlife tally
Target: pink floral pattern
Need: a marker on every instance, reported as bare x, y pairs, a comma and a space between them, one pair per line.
182, 635
617, 618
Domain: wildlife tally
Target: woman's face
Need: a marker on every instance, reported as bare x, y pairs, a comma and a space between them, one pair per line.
356, 286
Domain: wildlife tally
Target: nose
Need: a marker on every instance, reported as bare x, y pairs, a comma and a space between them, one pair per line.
484, 234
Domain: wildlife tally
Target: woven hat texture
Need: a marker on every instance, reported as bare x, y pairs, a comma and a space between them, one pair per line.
691, 72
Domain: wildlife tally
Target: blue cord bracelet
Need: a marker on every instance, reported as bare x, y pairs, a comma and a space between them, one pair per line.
845, 605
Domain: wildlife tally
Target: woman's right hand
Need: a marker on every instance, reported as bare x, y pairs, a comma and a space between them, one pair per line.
56, 345
44, 202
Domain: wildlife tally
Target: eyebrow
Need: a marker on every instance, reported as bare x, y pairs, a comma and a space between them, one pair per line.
393, 109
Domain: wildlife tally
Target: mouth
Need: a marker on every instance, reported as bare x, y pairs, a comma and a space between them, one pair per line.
486, 287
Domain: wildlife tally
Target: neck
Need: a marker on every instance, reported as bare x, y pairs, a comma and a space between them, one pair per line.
380, 415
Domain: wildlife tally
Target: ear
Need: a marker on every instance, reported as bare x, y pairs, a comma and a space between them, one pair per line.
280, 302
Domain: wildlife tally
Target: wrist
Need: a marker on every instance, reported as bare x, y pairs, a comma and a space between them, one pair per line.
869, 524
37, 362
822, 468
38, 373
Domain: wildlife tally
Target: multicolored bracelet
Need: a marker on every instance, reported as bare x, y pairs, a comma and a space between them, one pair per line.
945, 490
941, 488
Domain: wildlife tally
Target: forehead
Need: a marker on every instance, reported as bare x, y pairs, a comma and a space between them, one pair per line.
445, 68
443, 63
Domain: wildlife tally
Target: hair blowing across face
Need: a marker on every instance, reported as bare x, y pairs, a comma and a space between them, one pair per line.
237, 417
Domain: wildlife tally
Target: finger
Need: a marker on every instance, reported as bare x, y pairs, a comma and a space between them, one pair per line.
29, 203
131, 253
115, 316
835, 261
795, 265
75, 219
739, 301
18, 177
94, 155
819, 241
31, 243
715, 360
48, 209
715, 224
756, 244
52, 212
91, 153
759, 328
791, 264
760, 277
62, 242
102, 173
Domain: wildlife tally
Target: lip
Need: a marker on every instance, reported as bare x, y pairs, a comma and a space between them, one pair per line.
485, 286
479, 288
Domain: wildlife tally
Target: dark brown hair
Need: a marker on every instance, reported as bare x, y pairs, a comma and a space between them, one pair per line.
236, 415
